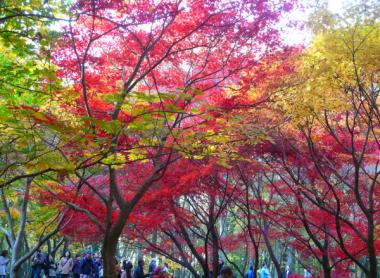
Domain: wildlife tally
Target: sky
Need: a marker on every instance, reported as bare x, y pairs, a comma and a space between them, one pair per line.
304, 36
290, 36
335, 5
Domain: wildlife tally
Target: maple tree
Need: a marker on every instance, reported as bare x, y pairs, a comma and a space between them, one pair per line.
325, 154
186, 223
341, 135
330, 96
139, 71
192, 212
190, 128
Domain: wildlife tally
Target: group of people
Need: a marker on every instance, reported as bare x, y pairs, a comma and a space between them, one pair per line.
265, 273
154, 270
82, 266
89, 266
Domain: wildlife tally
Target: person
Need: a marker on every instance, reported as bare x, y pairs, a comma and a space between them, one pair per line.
220, 265
307, 273
117, 268
101, 268
139, 271
51, 267
152, 265
264, 271
165, 270
251, 273
37, 264
98, 265
65, 265
226, 272
287, 272
58, 271
127, 268
87, 265
3, 263
158, 272
76, 266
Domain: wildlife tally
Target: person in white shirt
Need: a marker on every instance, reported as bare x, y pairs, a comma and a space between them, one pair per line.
166, 268
307, 273
3, 263
287, 272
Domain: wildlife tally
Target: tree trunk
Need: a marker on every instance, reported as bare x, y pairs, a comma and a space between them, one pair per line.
257, 258
206, 271
215, 253
215, 249
271, 252
326, 267
214, 239
15, 273
114, 230
109, 252
16, 248
371, 248
110, 242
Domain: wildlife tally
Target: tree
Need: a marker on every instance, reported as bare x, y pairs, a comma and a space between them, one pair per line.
138, 70
334, 109
32, 140
26, 225
187, 221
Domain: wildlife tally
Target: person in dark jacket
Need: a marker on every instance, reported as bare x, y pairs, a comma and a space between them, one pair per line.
251, 273
226, 272
139, 271
127, 268
98, 265
38, 263
87, 265
152, 265
76, 267
51, 267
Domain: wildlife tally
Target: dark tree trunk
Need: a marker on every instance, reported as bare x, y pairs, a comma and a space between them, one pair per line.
271, 252
256, 267
326, 267
371, 248
109, 252
215, 252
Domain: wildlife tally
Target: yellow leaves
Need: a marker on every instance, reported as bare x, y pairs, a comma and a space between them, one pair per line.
15, 214
39, 216
173, 266
114, 159
138, 154
51, 160
349, 53
337, 61
36, 166
118, 160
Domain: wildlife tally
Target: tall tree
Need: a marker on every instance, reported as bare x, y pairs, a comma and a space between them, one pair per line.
333, 158
138, 69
